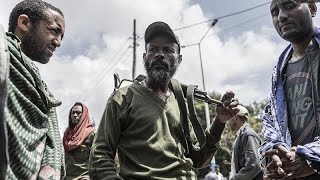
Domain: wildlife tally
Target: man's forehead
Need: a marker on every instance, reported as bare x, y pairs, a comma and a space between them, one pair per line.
293, 1
55, 17
274, 2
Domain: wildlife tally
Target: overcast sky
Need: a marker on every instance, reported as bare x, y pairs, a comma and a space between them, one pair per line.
96, 45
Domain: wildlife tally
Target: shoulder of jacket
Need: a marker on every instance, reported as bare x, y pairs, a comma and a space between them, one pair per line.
248, 131
123, 95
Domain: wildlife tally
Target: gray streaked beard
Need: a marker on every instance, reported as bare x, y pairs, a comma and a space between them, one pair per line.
158, 78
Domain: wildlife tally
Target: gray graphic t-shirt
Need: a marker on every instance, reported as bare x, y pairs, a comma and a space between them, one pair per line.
298, 90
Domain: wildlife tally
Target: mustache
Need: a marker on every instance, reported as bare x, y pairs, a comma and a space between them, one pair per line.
159, 63
52, 47
285, 24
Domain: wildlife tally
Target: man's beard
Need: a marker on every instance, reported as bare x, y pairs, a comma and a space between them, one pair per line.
33, 47
159, 77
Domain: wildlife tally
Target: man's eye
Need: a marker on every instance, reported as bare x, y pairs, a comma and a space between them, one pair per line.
152, 49
53, 31
274, 13
169, 50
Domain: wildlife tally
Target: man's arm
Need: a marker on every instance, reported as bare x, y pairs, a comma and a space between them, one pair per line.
271, 131
104, 148
252, 160
214, 132
213, 135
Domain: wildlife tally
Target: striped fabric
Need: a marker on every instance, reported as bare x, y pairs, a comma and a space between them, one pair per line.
35, 148
4, 73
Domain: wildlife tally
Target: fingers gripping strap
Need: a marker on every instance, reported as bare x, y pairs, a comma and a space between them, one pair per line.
194, 119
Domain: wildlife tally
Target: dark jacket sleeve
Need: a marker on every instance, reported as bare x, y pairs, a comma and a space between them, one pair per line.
213, 135
252, 161
104, 148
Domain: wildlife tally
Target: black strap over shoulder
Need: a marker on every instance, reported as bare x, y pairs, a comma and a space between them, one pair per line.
185, 115
183, 93
177, 90
194, 118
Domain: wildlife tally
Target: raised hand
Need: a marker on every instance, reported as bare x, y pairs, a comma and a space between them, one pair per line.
228, 109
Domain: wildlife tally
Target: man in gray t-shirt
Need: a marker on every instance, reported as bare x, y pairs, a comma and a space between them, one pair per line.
291, 121
298, 90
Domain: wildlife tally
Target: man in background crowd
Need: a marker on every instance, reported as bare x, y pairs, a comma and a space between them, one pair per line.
214, 174
245, 162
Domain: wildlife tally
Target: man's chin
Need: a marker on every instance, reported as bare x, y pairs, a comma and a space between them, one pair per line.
43, 60
159, 75
289, 35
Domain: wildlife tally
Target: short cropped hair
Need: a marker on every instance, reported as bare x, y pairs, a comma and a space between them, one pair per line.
34, 9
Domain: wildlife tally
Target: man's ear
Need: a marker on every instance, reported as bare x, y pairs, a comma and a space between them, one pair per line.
24, 23
313, 9
180, 58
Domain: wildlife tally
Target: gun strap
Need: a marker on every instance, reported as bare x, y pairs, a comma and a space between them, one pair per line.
177, 90
199, 132
194, 119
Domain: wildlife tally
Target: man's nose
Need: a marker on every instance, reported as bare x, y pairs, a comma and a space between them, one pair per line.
282, 16
159, 54
57, 41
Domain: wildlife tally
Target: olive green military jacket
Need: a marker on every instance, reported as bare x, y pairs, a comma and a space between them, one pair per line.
148, 135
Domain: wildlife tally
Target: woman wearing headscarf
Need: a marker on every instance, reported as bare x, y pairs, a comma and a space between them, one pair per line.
77, 141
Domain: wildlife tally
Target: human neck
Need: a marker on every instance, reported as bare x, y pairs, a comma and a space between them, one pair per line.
240, 126
299, 48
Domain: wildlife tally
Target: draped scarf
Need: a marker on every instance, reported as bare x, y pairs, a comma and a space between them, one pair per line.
75, 135
35, 148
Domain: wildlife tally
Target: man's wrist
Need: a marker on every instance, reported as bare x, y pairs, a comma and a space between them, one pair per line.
217, 127
219, 120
